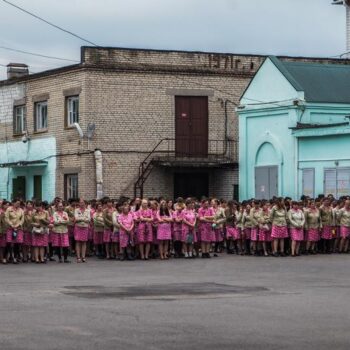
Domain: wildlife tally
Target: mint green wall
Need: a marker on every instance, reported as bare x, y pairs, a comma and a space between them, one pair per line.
261, 144
35, 149
269, 85
321, 153
266, 137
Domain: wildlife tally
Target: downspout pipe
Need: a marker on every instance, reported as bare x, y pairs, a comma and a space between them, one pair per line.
226, 102
99, 173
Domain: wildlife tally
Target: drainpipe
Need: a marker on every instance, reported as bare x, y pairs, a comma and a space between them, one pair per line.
226, 102
99, 174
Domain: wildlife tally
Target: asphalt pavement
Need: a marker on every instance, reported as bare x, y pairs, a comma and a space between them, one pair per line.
229, 302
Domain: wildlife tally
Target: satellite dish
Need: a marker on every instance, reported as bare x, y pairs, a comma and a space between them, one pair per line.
90, 131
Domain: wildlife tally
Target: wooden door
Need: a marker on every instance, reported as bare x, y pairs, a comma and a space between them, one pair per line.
191, 126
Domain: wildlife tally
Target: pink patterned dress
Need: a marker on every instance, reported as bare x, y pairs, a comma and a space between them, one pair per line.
27, 229
41, 239
15, 236
126, 238
144, 231
2, 229
206, 231
81, 228
91, 225
60, 239
190, 216
108, 230
164, 228
177, 226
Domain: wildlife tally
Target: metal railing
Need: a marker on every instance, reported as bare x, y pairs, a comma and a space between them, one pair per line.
170, 149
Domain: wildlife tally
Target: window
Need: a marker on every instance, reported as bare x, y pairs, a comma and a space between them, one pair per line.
19, 120
337, 182
70, 186
72, 110
308, 179
40, 120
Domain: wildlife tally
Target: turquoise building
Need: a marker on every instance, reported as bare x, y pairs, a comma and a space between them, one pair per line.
294, 131
29, 168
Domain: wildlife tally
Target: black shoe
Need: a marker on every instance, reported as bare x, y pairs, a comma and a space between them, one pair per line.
276, 255
66, 261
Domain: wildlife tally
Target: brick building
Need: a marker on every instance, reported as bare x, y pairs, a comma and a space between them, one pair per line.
163, 122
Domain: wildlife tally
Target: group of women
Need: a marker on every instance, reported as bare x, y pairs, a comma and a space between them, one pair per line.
144, 229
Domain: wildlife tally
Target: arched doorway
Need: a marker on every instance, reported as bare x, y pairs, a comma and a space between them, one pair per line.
266, 172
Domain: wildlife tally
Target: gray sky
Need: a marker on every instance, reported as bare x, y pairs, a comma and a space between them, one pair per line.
290, 27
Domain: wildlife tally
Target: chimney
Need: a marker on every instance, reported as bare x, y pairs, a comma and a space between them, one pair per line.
17, 70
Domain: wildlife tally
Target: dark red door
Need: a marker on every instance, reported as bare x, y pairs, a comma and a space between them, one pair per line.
191, 126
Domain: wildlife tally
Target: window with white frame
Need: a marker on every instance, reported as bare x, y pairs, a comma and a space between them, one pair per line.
40, 122
71, 186
19, 120
337, 182
72, 110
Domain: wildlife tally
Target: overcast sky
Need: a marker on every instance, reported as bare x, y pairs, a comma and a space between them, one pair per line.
288, 27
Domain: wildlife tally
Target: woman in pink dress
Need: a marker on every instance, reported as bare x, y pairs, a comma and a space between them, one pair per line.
254, 218
90, 249
313, 225
218, 223
40, 232
188, 228
265, 227
164, 229
3, 228
59, 234
70, 209
154, 247
328, 225
206, 232
296, 220
279, 231
247, 229
82, 219
99, 224
144, 232
126, 223
108, 229
14, 218
27, 231
344, 220
177, 229
231, 232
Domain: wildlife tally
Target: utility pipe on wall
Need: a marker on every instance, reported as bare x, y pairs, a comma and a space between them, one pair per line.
99, 174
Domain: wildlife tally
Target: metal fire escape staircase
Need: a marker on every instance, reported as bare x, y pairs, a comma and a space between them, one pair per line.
221, 153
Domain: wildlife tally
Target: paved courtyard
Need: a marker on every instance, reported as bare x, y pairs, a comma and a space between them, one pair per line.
224, 303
